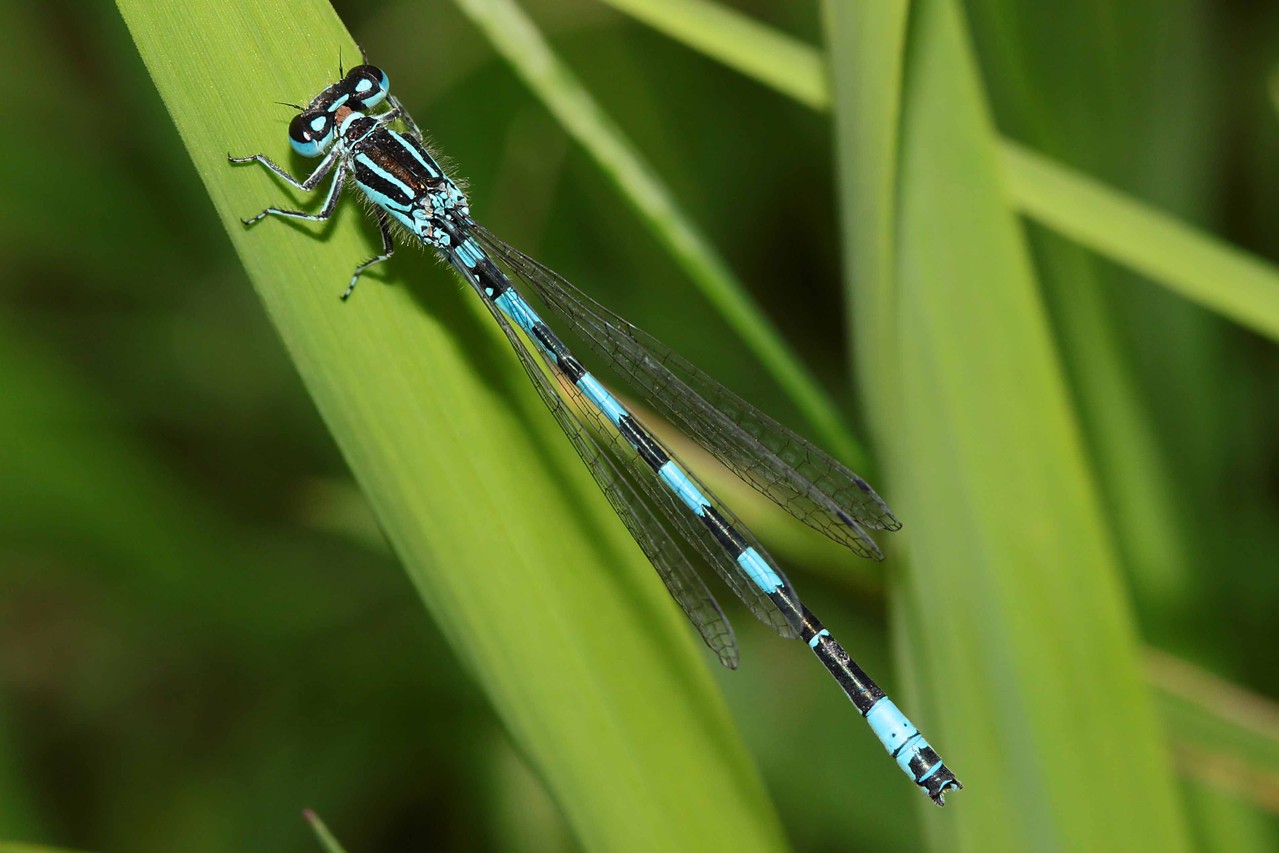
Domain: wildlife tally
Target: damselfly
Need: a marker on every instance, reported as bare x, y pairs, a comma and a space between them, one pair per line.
666, 508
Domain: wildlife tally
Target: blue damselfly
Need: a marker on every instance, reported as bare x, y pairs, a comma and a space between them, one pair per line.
659, 500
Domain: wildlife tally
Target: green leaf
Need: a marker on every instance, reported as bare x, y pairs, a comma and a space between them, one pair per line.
517, 556
1069, 92
1017, 626
1197, 266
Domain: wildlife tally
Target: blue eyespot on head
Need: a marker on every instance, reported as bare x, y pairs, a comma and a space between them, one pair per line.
367, 84
311, 133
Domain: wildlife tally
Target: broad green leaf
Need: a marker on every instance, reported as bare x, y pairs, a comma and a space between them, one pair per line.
1018, 630
1069, 92
518, 558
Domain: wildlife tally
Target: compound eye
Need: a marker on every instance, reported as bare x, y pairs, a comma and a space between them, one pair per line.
311, 133
368, 84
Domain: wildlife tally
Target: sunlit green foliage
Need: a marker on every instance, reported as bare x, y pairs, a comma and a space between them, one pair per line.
202, 634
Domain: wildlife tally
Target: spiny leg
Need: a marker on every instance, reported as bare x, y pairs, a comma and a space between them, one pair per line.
397, 111
388, 249
330, 203
312, 180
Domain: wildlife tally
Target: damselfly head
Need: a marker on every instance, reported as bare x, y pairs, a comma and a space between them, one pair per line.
314, 130
311, 132
367, 86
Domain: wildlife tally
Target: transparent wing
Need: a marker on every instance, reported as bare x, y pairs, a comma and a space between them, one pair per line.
676, 517
615, 478
768, 611
798, 476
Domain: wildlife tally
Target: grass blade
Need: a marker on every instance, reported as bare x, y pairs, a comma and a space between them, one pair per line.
515, 553
1013, 609
776, 60
322, 833
1196, 265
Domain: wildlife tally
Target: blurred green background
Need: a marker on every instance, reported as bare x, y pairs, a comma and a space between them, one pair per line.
201, 632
